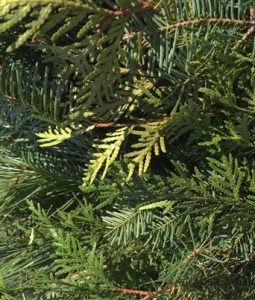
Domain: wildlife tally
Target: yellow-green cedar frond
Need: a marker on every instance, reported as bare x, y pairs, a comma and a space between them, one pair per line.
70, 23
13, 18
145, 90
150, 140
131, 170
42, 16
54, 137
33, 28
110, 147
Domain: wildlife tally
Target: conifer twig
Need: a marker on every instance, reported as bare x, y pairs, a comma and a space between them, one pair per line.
128, 291
144, 6
147, 295
108, 125
129, 36
200, 21
250, 30
115, 13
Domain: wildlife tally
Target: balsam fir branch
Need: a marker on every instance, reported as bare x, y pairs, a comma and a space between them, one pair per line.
36, 92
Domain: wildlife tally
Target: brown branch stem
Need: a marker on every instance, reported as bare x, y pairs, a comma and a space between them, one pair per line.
201, 21
144, 6
146, 294
128, 291
129, 36
110, 125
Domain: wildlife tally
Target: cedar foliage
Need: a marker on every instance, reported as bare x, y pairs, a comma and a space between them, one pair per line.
127, 149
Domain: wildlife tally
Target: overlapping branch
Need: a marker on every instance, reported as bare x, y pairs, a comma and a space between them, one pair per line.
250, 24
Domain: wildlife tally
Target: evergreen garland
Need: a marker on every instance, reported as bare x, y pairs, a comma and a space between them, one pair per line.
127, 149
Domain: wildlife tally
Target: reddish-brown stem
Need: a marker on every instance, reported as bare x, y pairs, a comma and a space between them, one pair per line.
250, 30
108, 125
200, 21
144, 6
128, 291
129, 36
251, 12
146, 295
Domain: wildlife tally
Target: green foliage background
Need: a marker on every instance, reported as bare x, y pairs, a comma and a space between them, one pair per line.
127, 149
